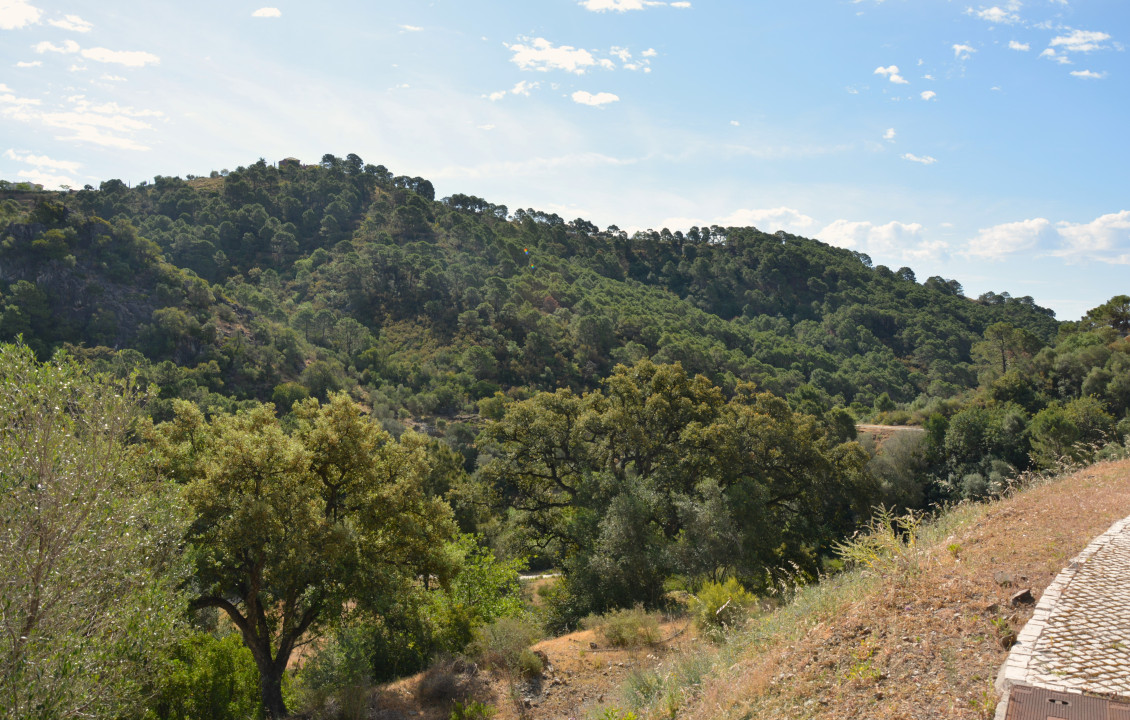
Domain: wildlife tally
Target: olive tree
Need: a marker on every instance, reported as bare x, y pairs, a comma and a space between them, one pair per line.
86, 599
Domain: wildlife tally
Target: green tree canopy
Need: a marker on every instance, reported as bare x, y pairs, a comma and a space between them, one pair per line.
290, 529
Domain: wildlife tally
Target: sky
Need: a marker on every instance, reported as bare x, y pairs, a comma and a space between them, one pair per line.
983, 143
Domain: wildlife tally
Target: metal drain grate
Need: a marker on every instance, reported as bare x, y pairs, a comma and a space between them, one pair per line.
1031, 703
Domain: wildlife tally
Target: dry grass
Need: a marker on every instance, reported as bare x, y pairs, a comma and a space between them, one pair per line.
926, 640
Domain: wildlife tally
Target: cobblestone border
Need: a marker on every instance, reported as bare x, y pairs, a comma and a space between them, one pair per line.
1018, 669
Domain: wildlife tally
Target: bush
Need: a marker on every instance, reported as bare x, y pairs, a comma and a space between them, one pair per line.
501, 644
440, 684
718, 606
208, 678
625, 628
337, 681
473, 710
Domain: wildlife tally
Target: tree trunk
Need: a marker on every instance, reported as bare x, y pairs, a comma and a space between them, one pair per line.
270, 689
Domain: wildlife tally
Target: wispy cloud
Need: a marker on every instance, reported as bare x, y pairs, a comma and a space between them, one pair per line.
1083, 41
267, 12
889, 135
962, 51
520, 88
903, 242
927, 94
68, 47
1051, 54
1000, 241
587, 98
129, 58
541, 55
1091, 74
74, 23
997, 15
626, 5
15, 14
42, 161
1015, 45
924, 160
891, 72
411, 28
25, 64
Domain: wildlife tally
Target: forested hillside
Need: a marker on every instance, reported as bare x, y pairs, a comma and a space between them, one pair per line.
374, 407
273, 282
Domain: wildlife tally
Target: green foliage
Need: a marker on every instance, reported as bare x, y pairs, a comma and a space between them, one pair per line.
503, 643
473, 710
331, 515
721, 606
207, 678
627, 627
340, 671
649, 476
89, 566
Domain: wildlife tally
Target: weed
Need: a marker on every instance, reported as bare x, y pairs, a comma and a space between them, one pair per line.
473, 710
888, 544
954, 549
633, 627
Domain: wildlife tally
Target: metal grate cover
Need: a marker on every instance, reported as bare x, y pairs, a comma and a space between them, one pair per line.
1031, 703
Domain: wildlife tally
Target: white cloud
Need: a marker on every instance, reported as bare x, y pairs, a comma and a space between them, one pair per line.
47, 180
893, 242
73, 23
962, 52
8, 97
411, 28
1014, 45
1105, 239
928, 95
42, 161
24, 64
996, 15
587, 98
129, 58
626, 5
521, 88
267, 12
112, 78
889, 135
765, 219
1088, 74
486, 127
106, 124
1051, 54
1081, 41
15, 14
891, 73
1000, 241
649, 53
541, 55
68, 47
735, 123
924, 160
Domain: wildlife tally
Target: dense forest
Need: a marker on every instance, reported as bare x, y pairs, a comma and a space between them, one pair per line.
332, 405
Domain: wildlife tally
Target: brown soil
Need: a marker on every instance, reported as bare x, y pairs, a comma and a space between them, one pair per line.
583, 674
923, 640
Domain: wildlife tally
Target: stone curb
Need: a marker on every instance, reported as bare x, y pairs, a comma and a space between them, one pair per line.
1018, 667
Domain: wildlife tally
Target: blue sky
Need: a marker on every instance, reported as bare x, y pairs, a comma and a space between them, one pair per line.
982, 142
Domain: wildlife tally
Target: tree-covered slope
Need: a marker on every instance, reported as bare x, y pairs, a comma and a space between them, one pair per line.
276, 282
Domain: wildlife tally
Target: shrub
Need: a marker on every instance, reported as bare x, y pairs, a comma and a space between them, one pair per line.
208, 677
500, 644
440, 685
530, 663
626, 628
339, 676
717, 606
473, 710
